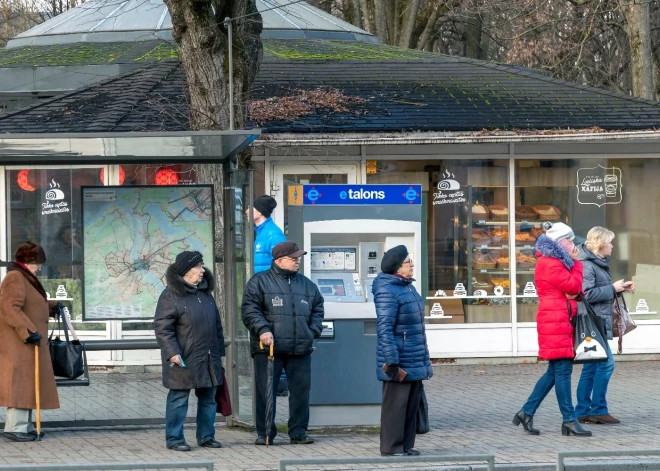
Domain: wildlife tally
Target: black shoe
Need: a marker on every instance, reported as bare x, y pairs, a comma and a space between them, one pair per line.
391, 454
574, 428
212, 443
34, 432
412, 452
262, 441
20, 436
302, 440
179, 447
527, 422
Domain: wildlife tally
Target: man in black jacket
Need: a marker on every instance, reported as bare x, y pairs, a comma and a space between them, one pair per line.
283, 307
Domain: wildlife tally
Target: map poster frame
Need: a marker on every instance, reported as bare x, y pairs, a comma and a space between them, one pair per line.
128, 313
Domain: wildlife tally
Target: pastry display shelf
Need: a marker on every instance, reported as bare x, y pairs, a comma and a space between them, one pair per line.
488, 296
499, 271
501, 247
489, 222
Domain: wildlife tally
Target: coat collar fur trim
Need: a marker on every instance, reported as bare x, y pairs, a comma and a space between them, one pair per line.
549, 248
32, 279
177, 285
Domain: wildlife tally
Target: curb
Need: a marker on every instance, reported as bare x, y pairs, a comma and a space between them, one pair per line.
591, 465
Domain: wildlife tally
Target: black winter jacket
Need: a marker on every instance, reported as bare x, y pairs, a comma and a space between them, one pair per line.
187, 323
597, 286
288, 305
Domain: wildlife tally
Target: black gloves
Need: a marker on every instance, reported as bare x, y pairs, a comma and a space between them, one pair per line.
393, 372
34, 338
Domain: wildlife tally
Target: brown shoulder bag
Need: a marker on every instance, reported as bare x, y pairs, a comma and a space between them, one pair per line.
622, 321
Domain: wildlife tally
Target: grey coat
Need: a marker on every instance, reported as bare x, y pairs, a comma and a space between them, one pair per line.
597, 286
187, 323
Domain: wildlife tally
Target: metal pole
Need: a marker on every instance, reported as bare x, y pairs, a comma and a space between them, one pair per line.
231, 73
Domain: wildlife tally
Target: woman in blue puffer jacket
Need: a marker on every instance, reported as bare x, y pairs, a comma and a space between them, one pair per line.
401, 348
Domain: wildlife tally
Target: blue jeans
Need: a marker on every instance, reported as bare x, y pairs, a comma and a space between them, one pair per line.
558, 375
592, 388
177, 410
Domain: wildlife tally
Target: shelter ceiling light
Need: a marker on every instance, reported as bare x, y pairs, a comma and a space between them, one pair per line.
166, 176
122, 176
22, 180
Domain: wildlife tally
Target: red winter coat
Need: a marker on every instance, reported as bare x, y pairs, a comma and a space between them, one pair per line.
556, 275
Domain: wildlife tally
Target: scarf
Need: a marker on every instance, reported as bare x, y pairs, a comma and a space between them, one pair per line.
32, 279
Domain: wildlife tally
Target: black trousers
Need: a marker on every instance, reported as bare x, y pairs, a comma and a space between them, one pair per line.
398, 416
299, 373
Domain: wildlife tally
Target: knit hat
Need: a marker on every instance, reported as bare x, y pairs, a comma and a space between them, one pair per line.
393, 259
30, 252
559, 231
186, 260
265, 204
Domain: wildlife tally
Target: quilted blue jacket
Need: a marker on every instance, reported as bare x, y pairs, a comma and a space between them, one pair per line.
268, 235
400, 328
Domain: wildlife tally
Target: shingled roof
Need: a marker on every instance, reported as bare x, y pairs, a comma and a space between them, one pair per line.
384, 89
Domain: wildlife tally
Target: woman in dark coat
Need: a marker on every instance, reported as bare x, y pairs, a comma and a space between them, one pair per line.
24, 312
600, 292
189, 332
401, 348
558, 279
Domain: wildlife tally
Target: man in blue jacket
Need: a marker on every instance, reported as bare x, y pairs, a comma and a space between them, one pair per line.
267, 234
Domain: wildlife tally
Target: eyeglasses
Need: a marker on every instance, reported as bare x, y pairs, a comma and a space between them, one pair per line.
409, 262
293, 259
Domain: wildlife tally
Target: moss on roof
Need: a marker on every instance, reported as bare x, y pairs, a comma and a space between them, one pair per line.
151, 51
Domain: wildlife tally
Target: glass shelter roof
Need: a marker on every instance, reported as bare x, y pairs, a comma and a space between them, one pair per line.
143, 20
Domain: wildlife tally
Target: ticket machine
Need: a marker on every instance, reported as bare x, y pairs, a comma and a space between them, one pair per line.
345, 230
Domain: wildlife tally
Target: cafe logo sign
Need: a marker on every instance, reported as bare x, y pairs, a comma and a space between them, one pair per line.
448, 190
54, 200
599, 185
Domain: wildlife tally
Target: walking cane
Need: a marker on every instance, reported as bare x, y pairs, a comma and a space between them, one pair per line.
37, 390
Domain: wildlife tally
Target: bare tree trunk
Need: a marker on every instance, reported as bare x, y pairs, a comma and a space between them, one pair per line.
380, 19
638, 28
391, 19
486, 22
351, 11
366, 17
431, 14
472, 37
203, 51
408, 22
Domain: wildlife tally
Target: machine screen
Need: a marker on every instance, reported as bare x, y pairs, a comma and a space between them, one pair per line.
331, 287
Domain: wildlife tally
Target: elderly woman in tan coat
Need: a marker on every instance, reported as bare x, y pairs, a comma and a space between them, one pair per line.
24, 312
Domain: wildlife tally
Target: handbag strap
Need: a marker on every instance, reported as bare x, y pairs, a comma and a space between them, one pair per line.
67, 319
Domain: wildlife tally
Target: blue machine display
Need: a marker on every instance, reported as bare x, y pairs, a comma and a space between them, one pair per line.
342, 195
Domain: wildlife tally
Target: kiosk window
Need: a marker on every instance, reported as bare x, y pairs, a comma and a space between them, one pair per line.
464, 270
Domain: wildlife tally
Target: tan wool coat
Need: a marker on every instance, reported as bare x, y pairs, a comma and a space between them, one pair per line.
23, 308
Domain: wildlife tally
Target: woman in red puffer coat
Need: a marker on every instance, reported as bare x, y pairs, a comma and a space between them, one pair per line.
558, 279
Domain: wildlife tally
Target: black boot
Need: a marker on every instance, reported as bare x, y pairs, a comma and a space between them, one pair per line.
574, 428
527, 422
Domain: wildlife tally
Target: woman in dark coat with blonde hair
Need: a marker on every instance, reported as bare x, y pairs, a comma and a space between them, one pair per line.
24, 312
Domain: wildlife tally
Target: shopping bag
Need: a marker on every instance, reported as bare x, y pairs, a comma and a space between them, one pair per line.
222, 399
622, 321
588, 344
423, 415
66, 355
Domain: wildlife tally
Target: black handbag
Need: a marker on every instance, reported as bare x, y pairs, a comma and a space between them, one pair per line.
66, 355
423, 415
589, 343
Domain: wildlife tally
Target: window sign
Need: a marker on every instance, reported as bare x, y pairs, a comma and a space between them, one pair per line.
448, 190
54, 200
599, 185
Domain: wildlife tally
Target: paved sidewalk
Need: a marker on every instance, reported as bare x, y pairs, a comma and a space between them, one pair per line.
471, 409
